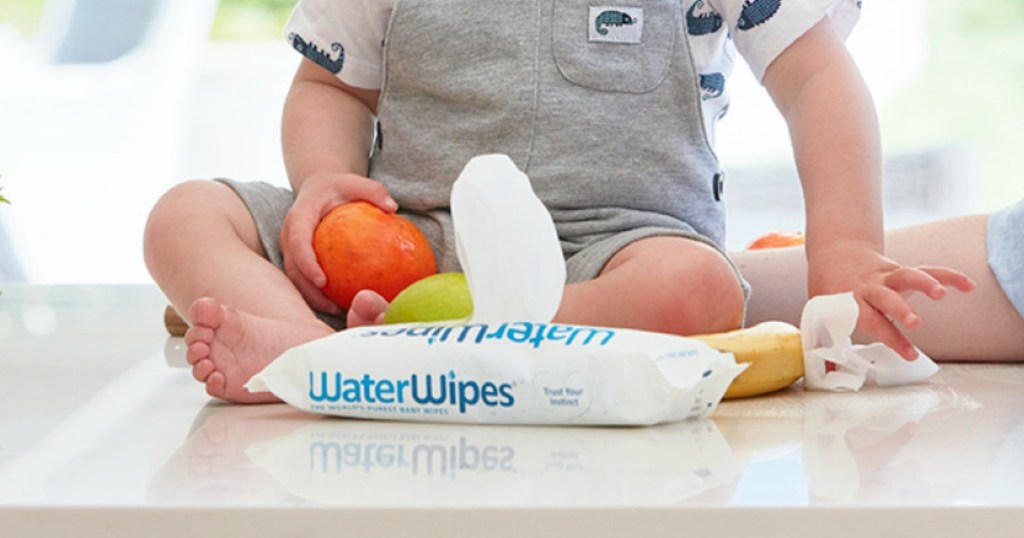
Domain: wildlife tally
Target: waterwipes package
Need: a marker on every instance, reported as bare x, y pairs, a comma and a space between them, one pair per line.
517, 372
509, 364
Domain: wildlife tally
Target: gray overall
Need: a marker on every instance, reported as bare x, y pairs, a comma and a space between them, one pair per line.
608, 128
610, 133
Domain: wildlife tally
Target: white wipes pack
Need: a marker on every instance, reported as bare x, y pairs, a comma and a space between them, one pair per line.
509, 364
513, 373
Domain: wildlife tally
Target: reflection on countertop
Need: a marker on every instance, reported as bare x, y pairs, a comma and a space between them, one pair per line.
98, 412
929, 444
287, 454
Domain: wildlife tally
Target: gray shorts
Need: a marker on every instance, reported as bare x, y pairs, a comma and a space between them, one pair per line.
1005, 244
269, 204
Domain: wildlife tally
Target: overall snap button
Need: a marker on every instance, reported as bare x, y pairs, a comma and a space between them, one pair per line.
718, 186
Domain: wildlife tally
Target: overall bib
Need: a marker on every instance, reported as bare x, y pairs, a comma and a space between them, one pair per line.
597, 101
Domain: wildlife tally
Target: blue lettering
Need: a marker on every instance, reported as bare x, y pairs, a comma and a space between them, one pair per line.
440, 334
419, 331
499, 332
324, 394
538, 336
487, 393
385, 390
469, 394
400, 388
333, 387
368, 383
451, 387
506, 392
559, 332
481, 331
428, 397
590, 332
520, 332
350, 392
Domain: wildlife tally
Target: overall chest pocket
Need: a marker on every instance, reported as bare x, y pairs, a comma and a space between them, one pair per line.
624, 46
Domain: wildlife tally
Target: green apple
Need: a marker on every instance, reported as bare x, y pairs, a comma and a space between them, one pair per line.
444, 296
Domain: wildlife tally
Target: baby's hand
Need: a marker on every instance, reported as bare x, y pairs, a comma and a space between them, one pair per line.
317, 197
881, 287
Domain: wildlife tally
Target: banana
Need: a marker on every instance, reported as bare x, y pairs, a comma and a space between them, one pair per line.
774, 351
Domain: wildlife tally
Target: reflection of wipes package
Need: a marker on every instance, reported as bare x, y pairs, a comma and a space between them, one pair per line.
509, 364
368, 464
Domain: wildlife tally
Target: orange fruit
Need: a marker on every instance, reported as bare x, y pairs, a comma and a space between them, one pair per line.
359, 246
776, 240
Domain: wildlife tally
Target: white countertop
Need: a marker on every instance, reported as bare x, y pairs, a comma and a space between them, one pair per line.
103, 432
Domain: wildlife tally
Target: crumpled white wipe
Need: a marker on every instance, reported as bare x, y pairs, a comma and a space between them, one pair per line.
826, 327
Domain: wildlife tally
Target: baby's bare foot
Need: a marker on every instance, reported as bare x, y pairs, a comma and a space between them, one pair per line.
227, 347
367, 309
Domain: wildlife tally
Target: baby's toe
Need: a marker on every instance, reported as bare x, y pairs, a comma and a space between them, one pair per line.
196, 352
367, 308
216, 385
199, 333
206, 312
202, 369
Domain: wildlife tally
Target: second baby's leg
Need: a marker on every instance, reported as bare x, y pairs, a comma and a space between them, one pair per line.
980, 325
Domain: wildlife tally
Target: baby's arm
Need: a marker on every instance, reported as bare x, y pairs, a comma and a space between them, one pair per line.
834, 131
327, 129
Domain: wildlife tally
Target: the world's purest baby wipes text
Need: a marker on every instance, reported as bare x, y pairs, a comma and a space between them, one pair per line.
513, 372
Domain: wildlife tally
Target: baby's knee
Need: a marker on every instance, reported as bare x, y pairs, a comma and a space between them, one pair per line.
181, 199
701, 296
181, 204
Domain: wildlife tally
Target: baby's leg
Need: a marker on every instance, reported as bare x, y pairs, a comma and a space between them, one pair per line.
980, 325
663, 283
202, 242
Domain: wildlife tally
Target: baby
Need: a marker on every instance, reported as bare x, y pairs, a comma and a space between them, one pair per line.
610, 110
